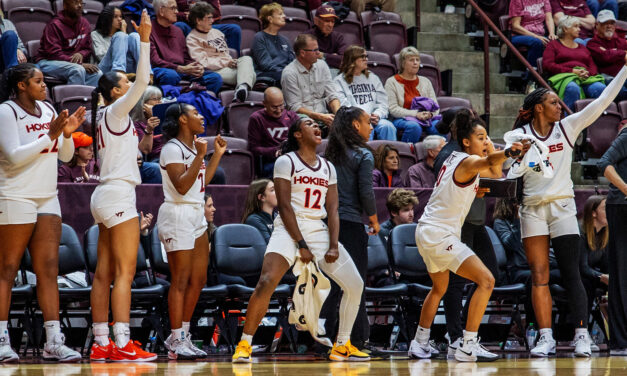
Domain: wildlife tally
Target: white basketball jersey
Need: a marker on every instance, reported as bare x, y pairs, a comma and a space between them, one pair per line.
117, 150
174, 151
559, 141
37, 178
450, 200
309, 183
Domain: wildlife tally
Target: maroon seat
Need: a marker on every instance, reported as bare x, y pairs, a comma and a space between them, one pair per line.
7, 5
237, 10
295, 12
226, 96
72, 97
237, 115
601, 133
382, 70
30, 22
32, 47
387, 36
116, 3
249, 25
447, 102
368, 17
352, 16
622, 107
539, 65
293, 27
433, 74
237, 162
421, 153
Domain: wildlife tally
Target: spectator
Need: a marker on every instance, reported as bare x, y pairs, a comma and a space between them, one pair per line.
232, 32
12, 50
259, 207
149, 144
593, 251
267, 129
114, 50
528, 18
607, 49
207, 46
170, 60
402, 88
81, 168
387, 171
359, 6
400, 204
66, 47
597, 5
271, 52
210, 211
577, 9
357, 86
331, 43
307, 83
422, 174
564, 55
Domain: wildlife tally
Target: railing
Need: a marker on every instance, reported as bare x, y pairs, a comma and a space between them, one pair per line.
487, 25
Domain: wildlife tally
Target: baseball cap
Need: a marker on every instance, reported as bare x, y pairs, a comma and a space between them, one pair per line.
81, 139
605, 15
325, 11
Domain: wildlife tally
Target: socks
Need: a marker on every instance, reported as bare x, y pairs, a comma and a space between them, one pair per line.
422, 335
343, 338
186, 327
53, 328
178, 334
122, 333
247, 338
469, 335
101, 333
548, 332
4, 328
581, 331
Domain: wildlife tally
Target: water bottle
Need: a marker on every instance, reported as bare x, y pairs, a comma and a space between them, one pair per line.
596, 338
531, 335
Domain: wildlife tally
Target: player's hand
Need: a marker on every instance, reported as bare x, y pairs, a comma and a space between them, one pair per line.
219, 145
481, 191
331, 255
201, 146
74, 121
144, 28
305, 255
57, 124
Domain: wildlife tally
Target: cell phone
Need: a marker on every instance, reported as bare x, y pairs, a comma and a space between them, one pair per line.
158, 110
499, 187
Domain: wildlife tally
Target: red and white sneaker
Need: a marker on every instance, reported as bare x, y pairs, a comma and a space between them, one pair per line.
101, 353
132, 352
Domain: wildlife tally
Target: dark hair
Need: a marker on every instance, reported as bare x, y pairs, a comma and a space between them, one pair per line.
382, 153
170, 126
106, 83
301, 42
104, 24
505, 208
198, 11
343, 135
465, 125
291, 143
525, 113
253, 204
12, 76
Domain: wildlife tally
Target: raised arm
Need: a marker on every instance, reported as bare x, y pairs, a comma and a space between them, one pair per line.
475, 164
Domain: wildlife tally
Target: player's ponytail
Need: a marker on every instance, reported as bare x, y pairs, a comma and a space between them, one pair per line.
464, 125
291, 144
12, 76
525, 113
95, 98
170, 126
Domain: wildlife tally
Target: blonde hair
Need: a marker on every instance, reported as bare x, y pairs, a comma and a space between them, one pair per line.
267, 11
404, 54
565, 23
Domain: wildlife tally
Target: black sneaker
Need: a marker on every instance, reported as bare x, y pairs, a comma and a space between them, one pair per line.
241, 93
375, 354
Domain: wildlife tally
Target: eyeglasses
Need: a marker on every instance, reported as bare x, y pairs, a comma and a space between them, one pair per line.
364, 56
174, 8
279, 107
314, 50
208, 17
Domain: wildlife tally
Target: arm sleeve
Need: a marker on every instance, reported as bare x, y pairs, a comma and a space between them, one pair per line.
329, 86
155, 59
256, 222
121, 107
616, 152
18, 155
366, 191
578, 121
291, 91
584, 266
381, 102
66, 149
170, 154
283, 168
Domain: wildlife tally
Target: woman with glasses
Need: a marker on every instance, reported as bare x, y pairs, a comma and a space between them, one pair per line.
358, 87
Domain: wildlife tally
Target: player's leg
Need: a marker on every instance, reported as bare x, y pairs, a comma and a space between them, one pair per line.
180, 270
420, 348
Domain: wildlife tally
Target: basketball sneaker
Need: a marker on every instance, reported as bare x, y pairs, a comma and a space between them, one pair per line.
243, 352
7, 355
101, 353
199, 352
181, 349
348, 352
472, 351
452, 348
132, 352
544, 347
56, 350
582, 346
419, 351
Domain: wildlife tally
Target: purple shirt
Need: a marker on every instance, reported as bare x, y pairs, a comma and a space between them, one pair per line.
331, 45
379, 179
63, 37
531, 13
420, 175
266, 133
74, 174
157, 141
168, 48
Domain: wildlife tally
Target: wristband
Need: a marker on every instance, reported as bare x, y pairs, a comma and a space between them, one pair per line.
509, 153
302, 244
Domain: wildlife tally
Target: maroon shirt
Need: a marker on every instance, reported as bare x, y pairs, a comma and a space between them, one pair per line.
420, 175
575, 8
558, 58
167, 47
612, 59
266, 133
63, 37
157, 141
74, 174
332, 45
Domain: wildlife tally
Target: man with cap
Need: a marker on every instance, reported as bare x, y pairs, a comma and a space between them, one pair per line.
82, 168
607, 49
330, 42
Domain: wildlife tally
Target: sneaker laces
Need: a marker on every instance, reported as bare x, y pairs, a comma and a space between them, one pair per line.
542, 340
581, 337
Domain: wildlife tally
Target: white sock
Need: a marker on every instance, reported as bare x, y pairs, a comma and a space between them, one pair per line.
122, 333
53, 328
178, 334
422, 335
343, 338
248, 338
546, 332
469, 335
4, 328
101, 333
186, 327
581, 331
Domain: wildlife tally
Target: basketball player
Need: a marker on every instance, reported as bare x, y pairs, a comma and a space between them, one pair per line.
113, 207
32, 138
306, 188
548, 210
181, 222
438, 237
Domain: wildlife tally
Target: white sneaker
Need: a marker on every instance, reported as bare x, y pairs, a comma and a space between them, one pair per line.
7, 355
544, 347
168, 342
452, 348
181, 349
472, 351
582, 346
618, 352
199, 352
56, 350
434, 348
419, 351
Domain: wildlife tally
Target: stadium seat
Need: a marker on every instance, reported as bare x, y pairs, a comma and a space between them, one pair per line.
447, 102
386, 36
32, 47
381, 64
226, 96
428, 68
622, 108
420, 151
72, 97
91, 10
237, 161
246, 18
369, 17
30, 22
295, 13
293, 27
115, 3
601, 133
237, 115
7, 5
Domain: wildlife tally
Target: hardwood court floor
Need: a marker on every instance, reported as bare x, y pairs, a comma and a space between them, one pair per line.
307, 366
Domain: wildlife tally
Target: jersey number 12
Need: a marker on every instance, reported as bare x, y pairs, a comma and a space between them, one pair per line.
308, 194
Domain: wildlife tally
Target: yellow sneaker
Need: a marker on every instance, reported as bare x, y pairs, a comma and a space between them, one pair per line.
243, 352
347, 353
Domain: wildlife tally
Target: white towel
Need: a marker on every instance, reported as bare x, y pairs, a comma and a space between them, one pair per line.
535, 160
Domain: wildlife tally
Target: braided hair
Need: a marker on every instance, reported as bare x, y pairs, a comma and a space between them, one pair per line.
525, 113
12, 76
291, 144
